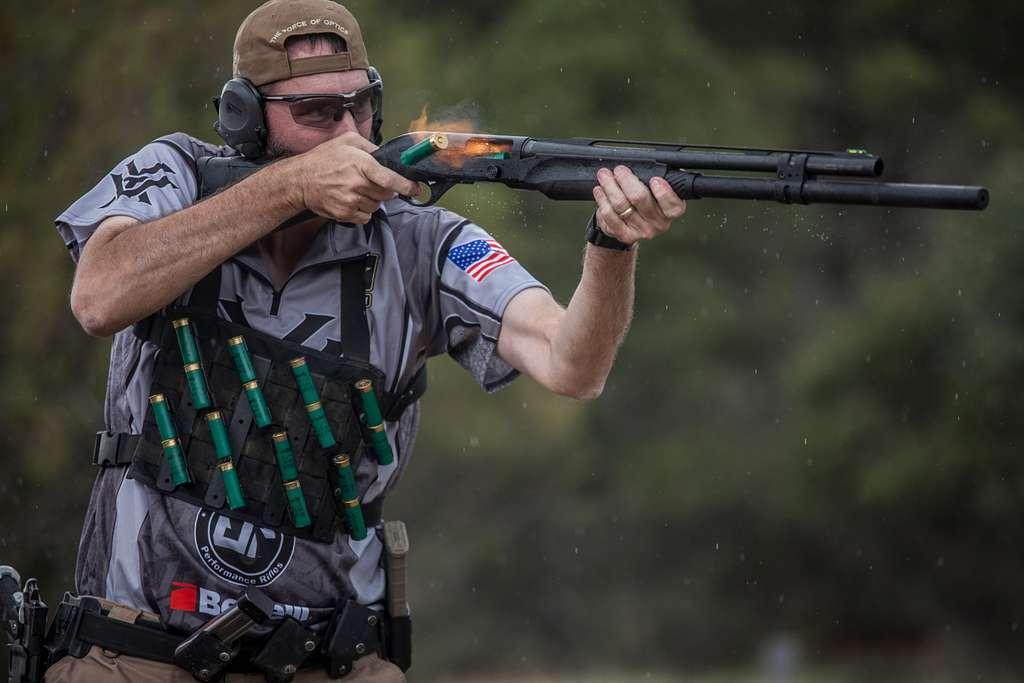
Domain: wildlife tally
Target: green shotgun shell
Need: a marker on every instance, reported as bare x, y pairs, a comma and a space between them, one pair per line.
320, 425
370, 405
162, 415
232, 486
219, 434
381, 445
285, 457
424, 148
197, 386
304, 380
186, 342
375, 422
176, 462
260, 410
243, 362
346, 479
297, 502
354, 516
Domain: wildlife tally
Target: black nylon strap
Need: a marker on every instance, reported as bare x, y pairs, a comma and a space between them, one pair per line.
206, 292
129, 639
355, 330
413, 391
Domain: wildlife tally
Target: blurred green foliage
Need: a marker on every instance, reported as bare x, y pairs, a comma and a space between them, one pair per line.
813, 425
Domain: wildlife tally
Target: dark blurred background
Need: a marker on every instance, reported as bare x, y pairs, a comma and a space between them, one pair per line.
806, 461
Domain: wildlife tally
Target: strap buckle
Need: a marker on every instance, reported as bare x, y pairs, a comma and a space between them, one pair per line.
113, 449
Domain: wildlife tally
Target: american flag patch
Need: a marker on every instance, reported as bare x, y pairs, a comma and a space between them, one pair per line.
480, 258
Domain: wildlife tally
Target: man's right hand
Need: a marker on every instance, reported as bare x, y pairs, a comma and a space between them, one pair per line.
340, 179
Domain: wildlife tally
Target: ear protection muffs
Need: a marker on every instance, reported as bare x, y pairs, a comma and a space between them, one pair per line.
242, 124
240, 119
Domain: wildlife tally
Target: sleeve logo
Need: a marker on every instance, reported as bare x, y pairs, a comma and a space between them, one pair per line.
136, 182
480, 258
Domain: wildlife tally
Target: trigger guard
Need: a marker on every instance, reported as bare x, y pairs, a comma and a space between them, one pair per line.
437, 189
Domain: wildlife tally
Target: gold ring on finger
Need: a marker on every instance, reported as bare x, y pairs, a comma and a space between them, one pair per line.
626, 213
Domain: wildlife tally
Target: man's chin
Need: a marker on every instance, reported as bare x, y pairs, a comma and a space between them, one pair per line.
275, 150
277, 153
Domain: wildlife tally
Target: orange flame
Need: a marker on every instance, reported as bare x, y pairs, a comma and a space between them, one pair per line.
423, 123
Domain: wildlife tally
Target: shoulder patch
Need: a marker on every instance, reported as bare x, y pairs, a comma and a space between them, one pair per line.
479, 258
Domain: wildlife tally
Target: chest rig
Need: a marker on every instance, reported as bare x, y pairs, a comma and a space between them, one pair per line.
268, 461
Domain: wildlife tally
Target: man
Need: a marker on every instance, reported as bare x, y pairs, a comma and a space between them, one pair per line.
143, 243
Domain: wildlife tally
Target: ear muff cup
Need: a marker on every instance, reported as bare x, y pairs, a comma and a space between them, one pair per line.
240, 119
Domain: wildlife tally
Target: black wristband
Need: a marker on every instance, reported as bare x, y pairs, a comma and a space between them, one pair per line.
599, 238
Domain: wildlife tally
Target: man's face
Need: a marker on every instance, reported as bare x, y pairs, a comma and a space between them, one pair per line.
285, 137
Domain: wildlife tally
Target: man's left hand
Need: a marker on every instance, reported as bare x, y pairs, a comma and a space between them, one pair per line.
629, 211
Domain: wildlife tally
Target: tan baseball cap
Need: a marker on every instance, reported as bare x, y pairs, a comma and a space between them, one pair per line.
259, 53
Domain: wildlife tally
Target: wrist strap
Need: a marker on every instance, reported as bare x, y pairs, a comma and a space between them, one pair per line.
599, 238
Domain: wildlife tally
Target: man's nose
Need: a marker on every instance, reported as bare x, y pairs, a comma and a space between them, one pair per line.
345, 122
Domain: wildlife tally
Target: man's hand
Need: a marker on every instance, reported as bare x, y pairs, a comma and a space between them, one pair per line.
628, 211
340, 180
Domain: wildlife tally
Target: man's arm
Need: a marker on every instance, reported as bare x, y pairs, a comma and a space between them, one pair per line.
127, 271
570, 351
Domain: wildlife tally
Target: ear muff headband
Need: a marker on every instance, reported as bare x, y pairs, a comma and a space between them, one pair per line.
242, 124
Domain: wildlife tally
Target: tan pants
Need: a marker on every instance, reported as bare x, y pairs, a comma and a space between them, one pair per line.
103, 665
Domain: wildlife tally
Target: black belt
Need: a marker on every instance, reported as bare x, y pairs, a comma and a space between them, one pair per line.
82, 623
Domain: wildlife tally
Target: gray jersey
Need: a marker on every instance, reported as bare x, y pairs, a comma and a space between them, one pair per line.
441, 285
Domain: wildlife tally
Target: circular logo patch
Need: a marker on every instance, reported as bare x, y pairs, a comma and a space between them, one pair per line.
241, 552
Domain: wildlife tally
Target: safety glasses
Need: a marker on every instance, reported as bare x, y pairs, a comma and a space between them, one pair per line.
323, 110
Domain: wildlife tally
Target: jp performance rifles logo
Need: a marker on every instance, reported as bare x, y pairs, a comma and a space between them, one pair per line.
136, 182
241, 552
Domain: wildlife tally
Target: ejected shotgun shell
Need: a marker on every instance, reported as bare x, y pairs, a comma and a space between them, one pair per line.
219, 434
354, 517
346, 479
423, 149
260, 410
297, 503
186, 342
304, 380
232, 487
197, 386
318, 417
162, 415
243, 362
285, 457
175, 462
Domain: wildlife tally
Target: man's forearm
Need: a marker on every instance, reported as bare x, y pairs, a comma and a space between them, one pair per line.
144, 267
595, 322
